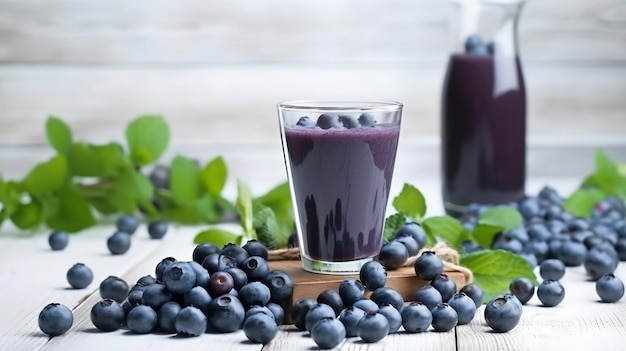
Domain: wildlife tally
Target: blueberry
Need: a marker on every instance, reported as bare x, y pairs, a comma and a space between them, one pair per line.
166, 316
350, 318
519, 233
538, 231
141, 319
278, 312
237, 253
550, 293
107, 315
198, 297
220, 283
351, 290
414, 230
411, 245
227, 314
610, 288
201, 251
572, 253
157, 229
620, 248
366, 305
475, 45
444, 317
156, 295
503, 313
255, 293
416, 317
428, 265
373, 275
507, 243
523, 289
161, 266
539, 249
255, 267
216, 262
58, 240
469, 246
114, 288
79, 276
118, 243
190, 321
327, 120
160, 176
331, 298
239, 277
258, 309
367, 120
255, 248
55, 319
127, 224
327, 333
317, 312
393, 255
445, 285
260, 328
373, 327
179, 277
475, 292
145, 280
464, 306
135, 297
600, 260
348, 121
428, 295
305, 121
202, 275
299, 310
388, 296
393, 317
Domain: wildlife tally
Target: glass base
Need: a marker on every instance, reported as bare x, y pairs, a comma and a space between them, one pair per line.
339, 268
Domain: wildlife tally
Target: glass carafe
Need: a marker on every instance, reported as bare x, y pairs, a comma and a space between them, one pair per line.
483, 120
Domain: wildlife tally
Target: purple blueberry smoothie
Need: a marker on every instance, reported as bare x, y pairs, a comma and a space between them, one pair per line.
483, 131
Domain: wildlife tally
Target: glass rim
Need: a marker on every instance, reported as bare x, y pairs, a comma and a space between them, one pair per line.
340, 105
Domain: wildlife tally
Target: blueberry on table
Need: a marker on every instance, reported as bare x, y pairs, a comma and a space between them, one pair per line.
55, 319
157, 229
227, 314
220, 283
388, 296
523, 289
350, 317
373, 275
393, 255
610, 288
331, 298
127, 224
79, 276
445, 285
161, 266
444, 317
141, 319
464, 307
58, 240
550, 293
503, 313
201, 251
114, 288
429, 296
179, 277
373, 327
156, 295
327, 333
474, 291
202, 275
572, 253
239, 277
351, 290
260, 328
198, 297
277, 311
190, 321
255, 248
317, 312
393, 317
416, 317
255, 267
552, 269
600, 260
428, 266
237, 253
119, 243
299, 310
411, 245
414, 230
166, 317
107, 315
366, 305
254, 293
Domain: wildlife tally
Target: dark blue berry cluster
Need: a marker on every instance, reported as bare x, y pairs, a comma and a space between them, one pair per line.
126, 225
338, 121
409, 240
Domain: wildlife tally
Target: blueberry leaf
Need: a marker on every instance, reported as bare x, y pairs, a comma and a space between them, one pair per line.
185, 182
147, 138
219, 237
410, 201
392, 224
47, 176
86, 160
582, 201
27, 215
494, 270
73, 213
214, 175
444, 228
59, 134
130, 188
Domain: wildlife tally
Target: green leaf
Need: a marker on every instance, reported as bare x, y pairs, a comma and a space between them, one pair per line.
392, 224
11, 197
218, 237
59, 134
185, 180
147, 138
73, 213
27, 216
493, 221
494, 270
581, 202
47, 176
484, 234
410, 201
445, 228
213, 176
102, 204
267, 229
129, 189
245, 209
607, 175
86, 160
279, 200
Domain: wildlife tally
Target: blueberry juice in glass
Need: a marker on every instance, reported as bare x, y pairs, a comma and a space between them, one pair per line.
483, 122
339, 158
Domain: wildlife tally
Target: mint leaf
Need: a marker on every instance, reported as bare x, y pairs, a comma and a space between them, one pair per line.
410, 201
27, 215
607, 175
185, 180
59, 134
147, 138
445, 228
582, 201
267, 229
279, 200
213, 176
494, 270
73, 213
86, 160
392, 224
218, 237
47, 176
493, 221
130, 188
245, 209
11, 197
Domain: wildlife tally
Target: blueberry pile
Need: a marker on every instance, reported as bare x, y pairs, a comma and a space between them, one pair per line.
409, 239
337, 121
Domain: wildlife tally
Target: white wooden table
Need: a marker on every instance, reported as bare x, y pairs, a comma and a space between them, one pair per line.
33, 276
